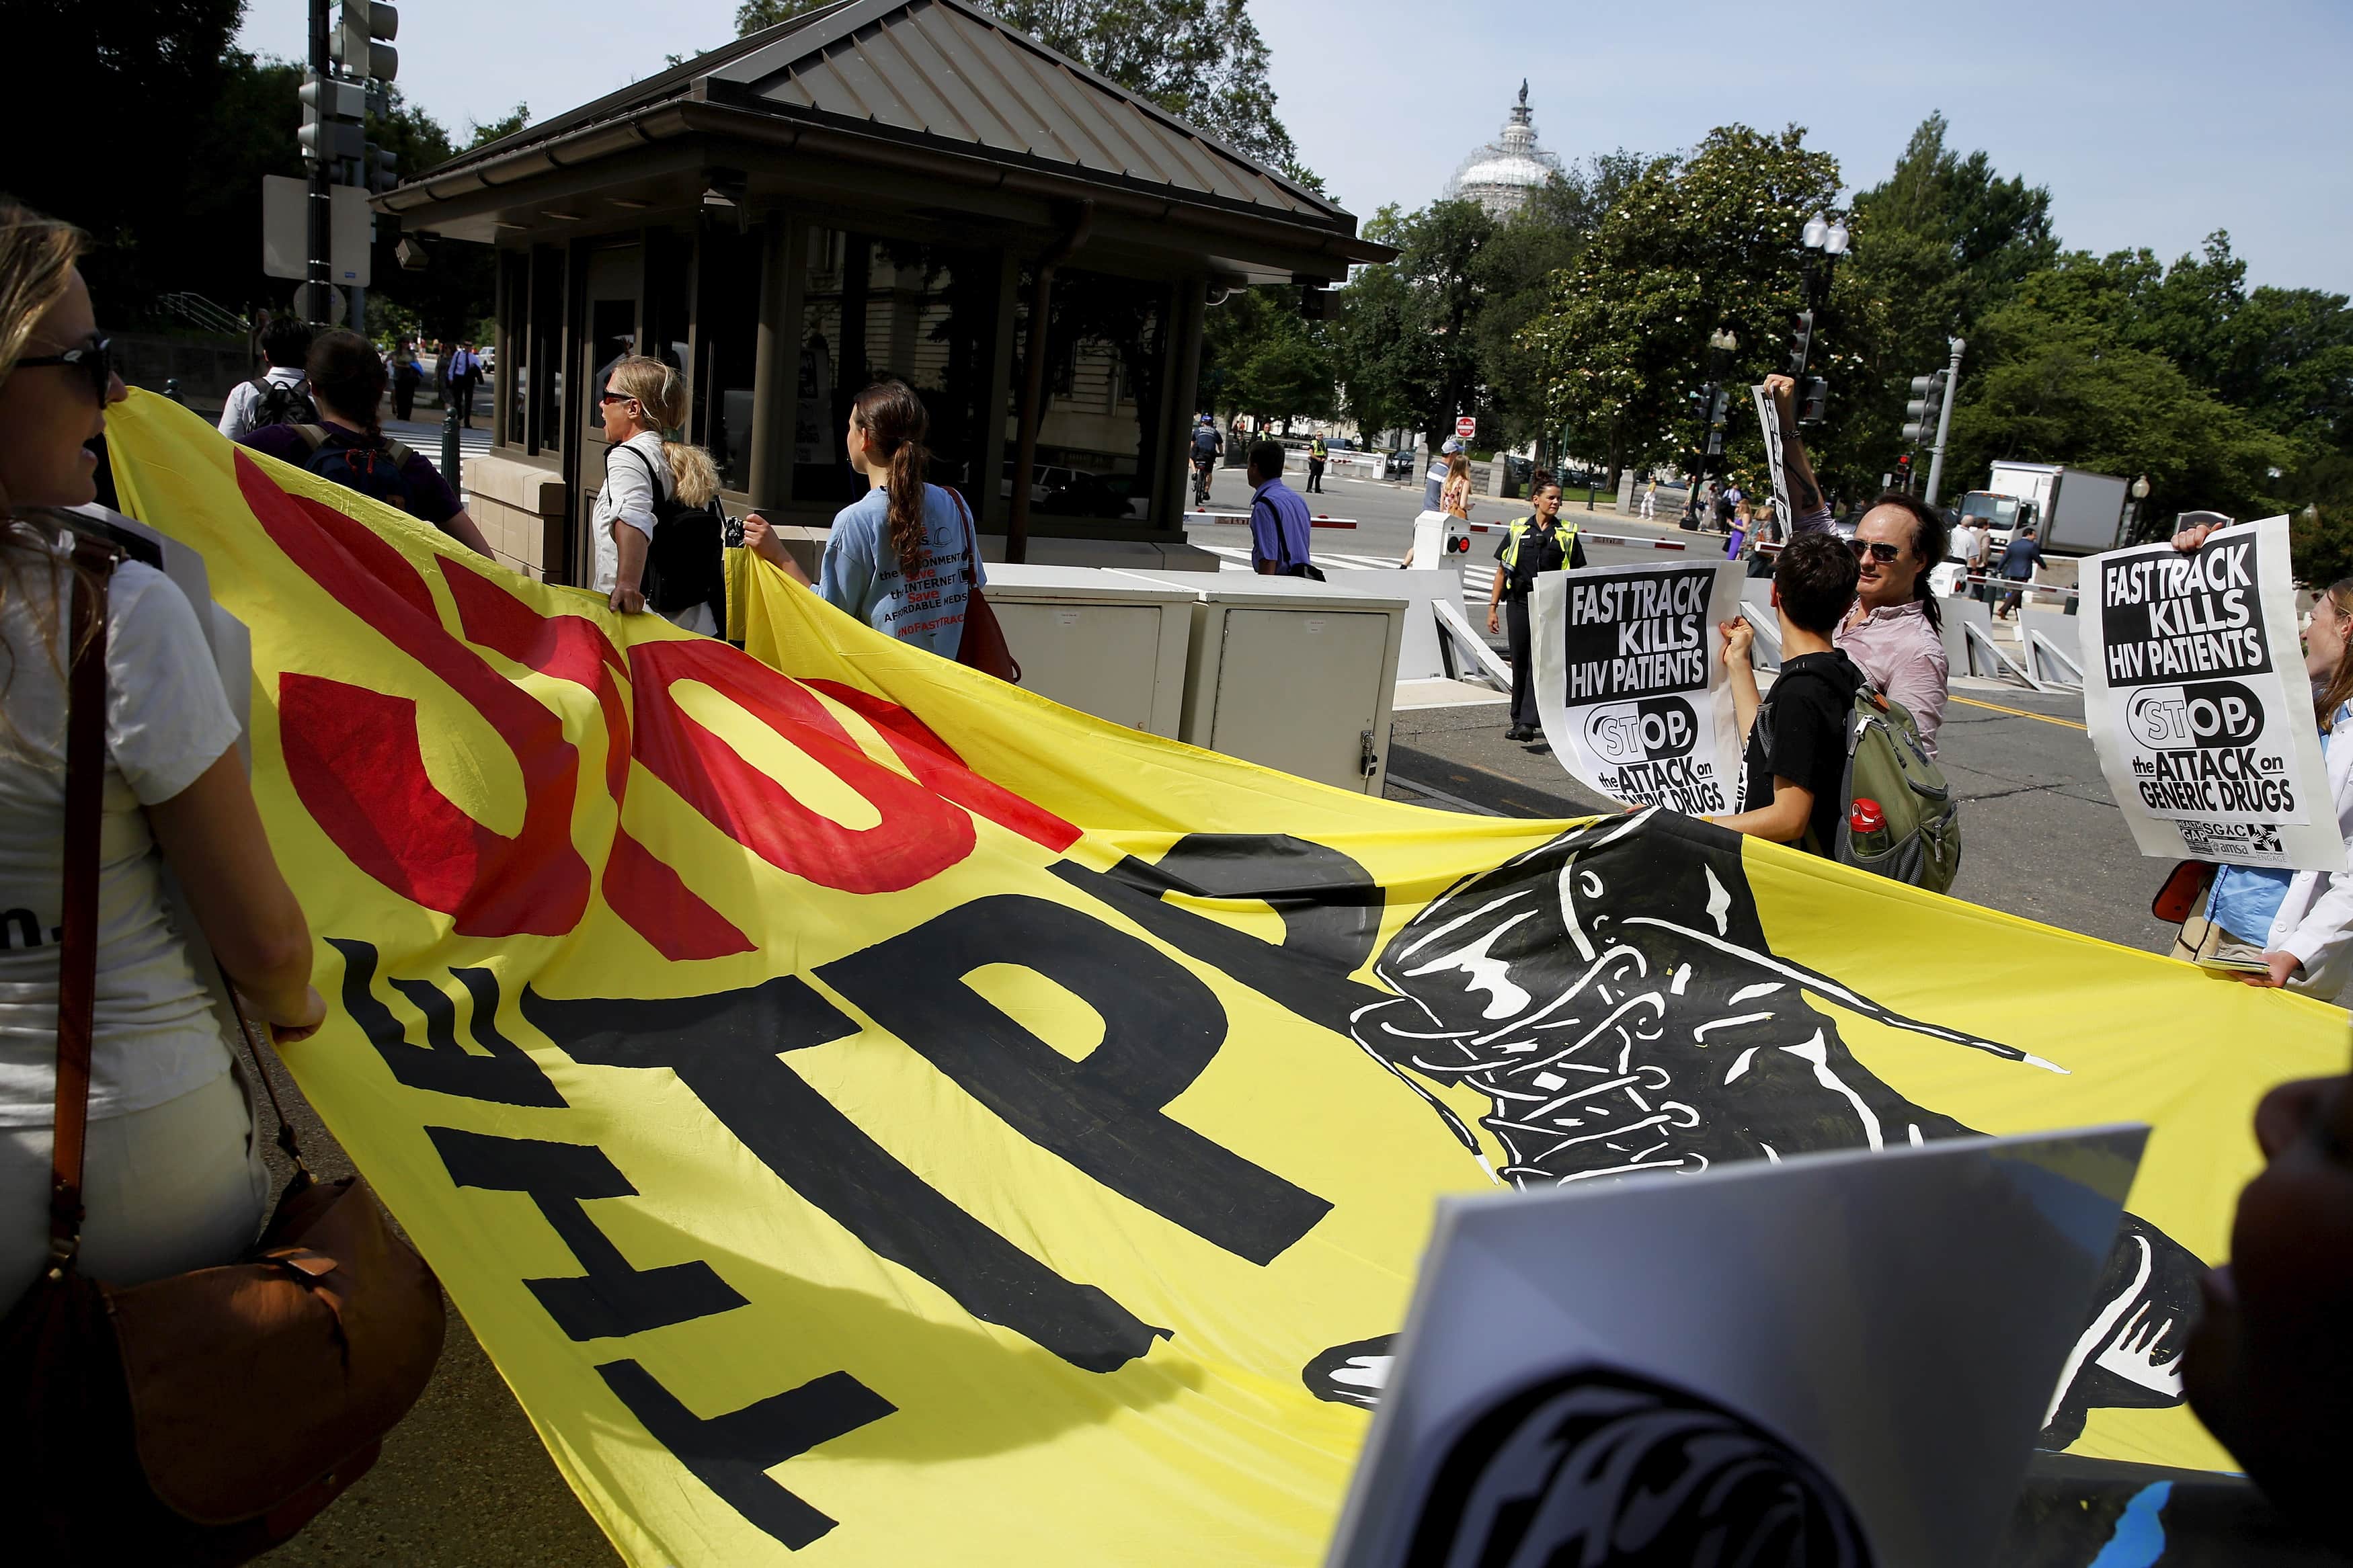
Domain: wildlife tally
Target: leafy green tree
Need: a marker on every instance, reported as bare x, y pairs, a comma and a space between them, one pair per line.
2058, 390
1937, 244
1409, 350
1203, 60
482, 133
1690, 245
1260, 357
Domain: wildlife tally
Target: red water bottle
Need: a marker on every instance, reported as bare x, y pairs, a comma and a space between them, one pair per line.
1865, 816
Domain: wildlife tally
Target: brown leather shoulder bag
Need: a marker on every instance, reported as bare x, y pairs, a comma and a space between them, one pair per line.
205, 1417
982, 647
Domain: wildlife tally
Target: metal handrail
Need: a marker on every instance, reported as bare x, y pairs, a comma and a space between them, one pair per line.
200, 312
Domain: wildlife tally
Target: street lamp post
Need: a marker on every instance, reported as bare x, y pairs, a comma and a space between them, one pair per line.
1825, 239
2138, 491
1721, 346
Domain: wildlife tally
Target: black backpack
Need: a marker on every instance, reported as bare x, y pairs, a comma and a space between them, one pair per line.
280, 404
373, 471
685, 565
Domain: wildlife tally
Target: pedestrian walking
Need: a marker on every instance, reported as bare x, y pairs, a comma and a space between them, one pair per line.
1433, 483
1793, 766
1533, 546
658, 544
407, 376
902, 558
465, 374
1894, 634
1968, 546
442, 358
1318, 454
1454, 495
348, 445
2017, 565
1739, 537
279, 395
1650, 497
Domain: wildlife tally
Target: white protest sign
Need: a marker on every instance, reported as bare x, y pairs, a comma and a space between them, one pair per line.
2199, 705
1769, 419
1629, 685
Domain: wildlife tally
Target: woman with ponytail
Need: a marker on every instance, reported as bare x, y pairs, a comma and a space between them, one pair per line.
2295, 925
904, 558
650, 475
1895, 631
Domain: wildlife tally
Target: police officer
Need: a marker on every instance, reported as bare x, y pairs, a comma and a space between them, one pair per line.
1533, 545
1317, 455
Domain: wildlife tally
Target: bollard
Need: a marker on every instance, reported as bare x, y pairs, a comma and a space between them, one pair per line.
449, 474
172, 387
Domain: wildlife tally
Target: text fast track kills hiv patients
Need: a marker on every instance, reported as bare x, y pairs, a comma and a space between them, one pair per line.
1661, 625
2199, 615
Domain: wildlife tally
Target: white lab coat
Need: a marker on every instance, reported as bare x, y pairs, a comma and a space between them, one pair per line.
2316, 919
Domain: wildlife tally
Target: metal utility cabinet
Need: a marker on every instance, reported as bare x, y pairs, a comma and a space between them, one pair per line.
1107, 643
1293, 674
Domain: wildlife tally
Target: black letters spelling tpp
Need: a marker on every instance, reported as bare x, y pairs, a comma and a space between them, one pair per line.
506, 1076
613, 1298
730, 1049
1105, 1115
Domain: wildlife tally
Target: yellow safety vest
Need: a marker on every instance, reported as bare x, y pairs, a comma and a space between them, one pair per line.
1317, 451
1520, 529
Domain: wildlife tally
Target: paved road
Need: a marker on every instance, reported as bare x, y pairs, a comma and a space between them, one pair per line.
465, 1484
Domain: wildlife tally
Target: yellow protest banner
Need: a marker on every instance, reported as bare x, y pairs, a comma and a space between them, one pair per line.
872, 1114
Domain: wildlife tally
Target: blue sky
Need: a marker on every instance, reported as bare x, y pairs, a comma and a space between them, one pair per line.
2151, 123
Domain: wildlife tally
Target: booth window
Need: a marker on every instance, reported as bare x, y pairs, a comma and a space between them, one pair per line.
669, 260
1099, 435
546, 349
728, 299
877, 309
514, 345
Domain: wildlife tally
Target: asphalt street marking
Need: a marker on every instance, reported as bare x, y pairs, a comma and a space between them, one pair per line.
2019, 712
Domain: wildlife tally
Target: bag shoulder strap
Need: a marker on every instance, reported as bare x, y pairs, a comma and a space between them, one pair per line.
971, 541
314, 435
653, 477
397, 451
77, 937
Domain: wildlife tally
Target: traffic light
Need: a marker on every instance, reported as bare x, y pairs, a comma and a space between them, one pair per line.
1719, 408
380, 168
1904, 473
1927, 402
356, 49
1801, 342
331, 112
1813, 399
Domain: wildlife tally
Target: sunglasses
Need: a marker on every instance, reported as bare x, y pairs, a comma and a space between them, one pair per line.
1877, 548
94, 360
616, 397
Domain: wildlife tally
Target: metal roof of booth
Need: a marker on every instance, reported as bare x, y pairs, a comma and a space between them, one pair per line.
938, 77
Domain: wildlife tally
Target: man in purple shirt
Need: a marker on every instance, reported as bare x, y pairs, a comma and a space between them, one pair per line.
1280, 522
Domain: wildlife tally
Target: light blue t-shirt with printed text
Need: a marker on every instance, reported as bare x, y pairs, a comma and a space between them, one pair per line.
860, 570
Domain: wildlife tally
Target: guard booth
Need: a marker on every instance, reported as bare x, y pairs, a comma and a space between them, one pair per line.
882, 188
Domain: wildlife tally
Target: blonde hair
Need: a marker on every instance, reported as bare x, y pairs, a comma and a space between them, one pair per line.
38, 253
661, 393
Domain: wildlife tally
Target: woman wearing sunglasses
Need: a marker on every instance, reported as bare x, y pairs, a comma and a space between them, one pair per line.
171, 1180
1896, 632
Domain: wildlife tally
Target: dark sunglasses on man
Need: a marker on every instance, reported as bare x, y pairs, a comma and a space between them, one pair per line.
94, 358
1879, 550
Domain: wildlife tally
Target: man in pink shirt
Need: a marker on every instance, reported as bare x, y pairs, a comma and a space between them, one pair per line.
1895, 630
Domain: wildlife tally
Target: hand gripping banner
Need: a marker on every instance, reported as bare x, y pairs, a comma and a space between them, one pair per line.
873, 1115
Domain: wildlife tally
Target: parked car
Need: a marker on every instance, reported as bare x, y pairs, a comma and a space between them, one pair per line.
1401, 464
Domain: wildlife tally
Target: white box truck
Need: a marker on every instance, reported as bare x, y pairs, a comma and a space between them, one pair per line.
2074, 512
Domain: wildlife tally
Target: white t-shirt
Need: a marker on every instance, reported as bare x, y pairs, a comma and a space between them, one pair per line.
1968, 544
157, 1037
629, 495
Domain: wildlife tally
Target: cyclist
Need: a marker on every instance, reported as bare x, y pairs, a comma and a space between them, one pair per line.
1208, 444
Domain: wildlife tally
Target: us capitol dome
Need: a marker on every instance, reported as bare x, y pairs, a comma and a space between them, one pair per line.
1503, 174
